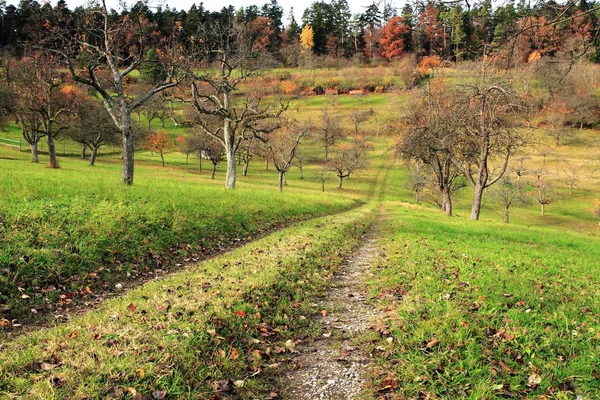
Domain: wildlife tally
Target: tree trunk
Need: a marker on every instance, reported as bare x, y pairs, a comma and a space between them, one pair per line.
34, 153
93, 156
187, 158
266, 164
340, 180
53, 161
128, 150
447, 201
246, 165
83, 151
326, 153
417, 197
301, 172
229, 137
323, 186
543, 209
506, 213
284, 179
214, 171
162, 158
281, 177
476, 207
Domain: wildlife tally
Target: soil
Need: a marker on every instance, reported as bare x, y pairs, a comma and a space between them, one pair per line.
333, 366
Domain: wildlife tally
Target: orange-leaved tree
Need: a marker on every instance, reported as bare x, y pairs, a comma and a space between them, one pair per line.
392, 38
160, 143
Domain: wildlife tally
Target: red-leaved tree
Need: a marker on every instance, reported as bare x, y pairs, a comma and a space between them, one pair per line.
392, 39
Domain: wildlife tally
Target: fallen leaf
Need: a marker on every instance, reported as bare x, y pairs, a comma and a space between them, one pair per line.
131, 307
534, 379
432, 343
238, 384
290, 344
506, 368
388, 385
159, 394
240, 313
234, 354
324, 313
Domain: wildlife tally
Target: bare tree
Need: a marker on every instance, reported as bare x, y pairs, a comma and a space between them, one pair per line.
428, 140
417, 180
214, 152
44, 103
301, 159
483, 135
358, 117
213, 94
572, 173
322, 175
519, 169
545, 192
508, 194
555, 121
283, 147
104, 53
328, 132
93, 128
345, 161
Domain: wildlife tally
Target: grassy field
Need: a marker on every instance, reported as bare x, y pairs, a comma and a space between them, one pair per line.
474, 309
208, 329
67, 233
486, 310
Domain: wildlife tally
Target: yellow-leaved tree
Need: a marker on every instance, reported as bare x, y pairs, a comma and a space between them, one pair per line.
307, 37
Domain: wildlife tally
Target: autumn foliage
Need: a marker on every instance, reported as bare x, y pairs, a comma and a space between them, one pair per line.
392, 39
158, 142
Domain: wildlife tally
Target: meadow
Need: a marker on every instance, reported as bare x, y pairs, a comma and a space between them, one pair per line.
475, 309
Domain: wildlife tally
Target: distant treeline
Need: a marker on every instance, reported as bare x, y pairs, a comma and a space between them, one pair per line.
450, 30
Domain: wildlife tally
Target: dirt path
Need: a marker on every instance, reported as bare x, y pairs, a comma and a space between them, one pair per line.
332, 366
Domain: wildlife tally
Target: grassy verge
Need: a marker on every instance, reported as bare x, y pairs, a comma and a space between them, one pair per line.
215, 328
67, 234
484, 310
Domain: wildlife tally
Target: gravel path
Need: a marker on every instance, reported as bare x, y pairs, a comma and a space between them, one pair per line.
331, 367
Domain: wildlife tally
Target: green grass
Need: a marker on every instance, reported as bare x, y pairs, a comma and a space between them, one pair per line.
485, 310
64, 230
227, 318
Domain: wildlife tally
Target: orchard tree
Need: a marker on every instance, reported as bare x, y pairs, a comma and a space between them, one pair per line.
93, 128
160, 143
214, 152
429, 138
283, 147
417, 180
103, 54
346, 160
484, 136
544, 191
232, 118
507, 194
44, 103
322, 175
329, 131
